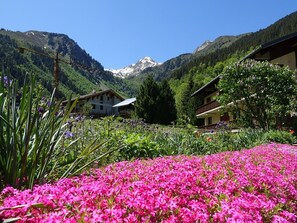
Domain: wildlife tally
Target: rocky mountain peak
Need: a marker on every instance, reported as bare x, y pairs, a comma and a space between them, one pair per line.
203, 46
135, 69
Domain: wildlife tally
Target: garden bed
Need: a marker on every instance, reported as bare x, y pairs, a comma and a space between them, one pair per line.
255, 185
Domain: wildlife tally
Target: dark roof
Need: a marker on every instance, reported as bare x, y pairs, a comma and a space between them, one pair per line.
291, 39
268, 45
95, 94
209, 84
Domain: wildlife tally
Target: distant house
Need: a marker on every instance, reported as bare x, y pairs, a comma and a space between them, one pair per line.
126, 107
282, 51
100, 103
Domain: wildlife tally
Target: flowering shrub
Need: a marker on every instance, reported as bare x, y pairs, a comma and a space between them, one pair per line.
256, 185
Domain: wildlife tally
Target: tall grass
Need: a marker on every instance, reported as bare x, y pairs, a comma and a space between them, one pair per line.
29, 134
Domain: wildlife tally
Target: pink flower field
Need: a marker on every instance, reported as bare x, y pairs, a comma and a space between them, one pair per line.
255, 185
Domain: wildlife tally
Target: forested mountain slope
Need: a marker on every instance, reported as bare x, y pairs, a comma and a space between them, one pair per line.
84, 75
220, 49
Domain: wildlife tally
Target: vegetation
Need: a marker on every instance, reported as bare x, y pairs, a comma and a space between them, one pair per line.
256, 185
186, 105
84, 75
262, 94
240, 47
40, 145
155, 102
33, 131
30, 131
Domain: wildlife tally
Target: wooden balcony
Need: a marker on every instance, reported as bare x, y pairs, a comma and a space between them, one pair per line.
207, 107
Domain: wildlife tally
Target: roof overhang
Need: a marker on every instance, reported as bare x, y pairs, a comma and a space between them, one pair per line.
206, 87
126, 102
278, 47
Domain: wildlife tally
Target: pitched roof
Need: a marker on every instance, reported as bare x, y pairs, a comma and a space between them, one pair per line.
269, 45
204, 88
125, 102
95, 94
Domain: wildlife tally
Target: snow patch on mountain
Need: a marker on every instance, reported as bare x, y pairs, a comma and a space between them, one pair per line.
134, 69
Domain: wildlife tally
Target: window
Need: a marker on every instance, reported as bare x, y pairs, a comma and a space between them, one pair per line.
209, 120
101, 107
208, 99
101, 97
108, 98
93, 106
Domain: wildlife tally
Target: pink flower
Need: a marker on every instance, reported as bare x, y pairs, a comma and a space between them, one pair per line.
256, 185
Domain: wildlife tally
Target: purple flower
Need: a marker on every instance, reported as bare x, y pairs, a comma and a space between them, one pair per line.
41, 110
68, 134
6, 80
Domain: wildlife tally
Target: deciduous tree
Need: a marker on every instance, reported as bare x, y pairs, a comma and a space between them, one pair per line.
262, 94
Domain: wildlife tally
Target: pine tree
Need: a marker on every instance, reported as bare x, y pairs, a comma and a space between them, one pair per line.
146, 100
155, 103
166, 104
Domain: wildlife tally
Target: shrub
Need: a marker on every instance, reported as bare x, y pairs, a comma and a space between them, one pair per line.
139, 146
280, 137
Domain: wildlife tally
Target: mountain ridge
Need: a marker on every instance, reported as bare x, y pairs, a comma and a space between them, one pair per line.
220, 49
75, 80
84, 75
134, 69
166, 68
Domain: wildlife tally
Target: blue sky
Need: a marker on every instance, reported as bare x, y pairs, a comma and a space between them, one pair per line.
118, 33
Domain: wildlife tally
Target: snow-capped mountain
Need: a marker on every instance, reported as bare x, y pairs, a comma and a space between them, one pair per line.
134, 69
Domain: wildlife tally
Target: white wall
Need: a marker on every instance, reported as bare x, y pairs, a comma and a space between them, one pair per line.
101, 104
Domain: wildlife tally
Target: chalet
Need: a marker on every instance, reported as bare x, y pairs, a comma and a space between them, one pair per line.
282, 51
210, 110
100, 103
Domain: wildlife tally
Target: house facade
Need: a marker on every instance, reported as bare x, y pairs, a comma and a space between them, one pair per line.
282, 51
211, 111
98, 103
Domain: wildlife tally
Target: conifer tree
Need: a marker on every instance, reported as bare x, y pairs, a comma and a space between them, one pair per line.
155, 103
146, 100
166, 104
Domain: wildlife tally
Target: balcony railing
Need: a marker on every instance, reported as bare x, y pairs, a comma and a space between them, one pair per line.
207, 107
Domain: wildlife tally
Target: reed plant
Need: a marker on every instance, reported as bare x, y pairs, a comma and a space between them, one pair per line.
30, 132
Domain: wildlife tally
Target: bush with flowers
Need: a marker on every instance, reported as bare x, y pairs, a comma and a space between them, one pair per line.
255, 185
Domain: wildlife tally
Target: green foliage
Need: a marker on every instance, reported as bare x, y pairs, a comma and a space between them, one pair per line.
30, 132
240, 47
279, 136
36, 145
155, 103
165, 104
146, 101
139, 146
186, 104
85, 75
261, 93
